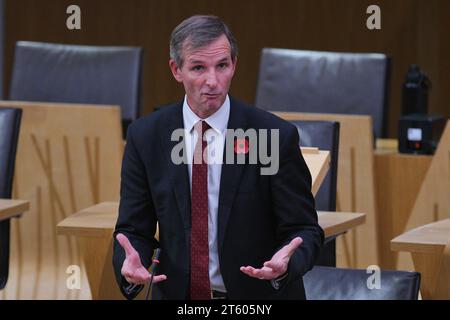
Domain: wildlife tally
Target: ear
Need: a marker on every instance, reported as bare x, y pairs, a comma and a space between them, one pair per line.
176, 71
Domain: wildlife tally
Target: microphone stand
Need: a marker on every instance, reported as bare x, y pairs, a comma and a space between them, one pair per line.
155, 262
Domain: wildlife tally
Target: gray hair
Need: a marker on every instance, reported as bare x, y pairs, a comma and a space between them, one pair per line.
196, 32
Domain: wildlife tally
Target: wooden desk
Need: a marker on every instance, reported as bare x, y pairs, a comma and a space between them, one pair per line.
94, 228
99, 220
12, 208
398, 178
433, 201
336, 223
429, 246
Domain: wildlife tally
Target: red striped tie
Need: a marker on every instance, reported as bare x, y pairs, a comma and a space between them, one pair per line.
200, 286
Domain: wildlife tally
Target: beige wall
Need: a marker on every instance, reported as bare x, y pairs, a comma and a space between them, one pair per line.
413, 31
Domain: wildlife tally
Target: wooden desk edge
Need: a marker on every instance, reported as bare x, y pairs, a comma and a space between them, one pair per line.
415, 241
336, 230
16, 208
66, 230
416, 247
356, 220
68, 226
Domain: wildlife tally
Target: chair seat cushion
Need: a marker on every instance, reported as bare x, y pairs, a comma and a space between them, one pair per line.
327, 283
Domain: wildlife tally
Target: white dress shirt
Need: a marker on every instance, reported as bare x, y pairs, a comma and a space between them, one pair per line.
215, 140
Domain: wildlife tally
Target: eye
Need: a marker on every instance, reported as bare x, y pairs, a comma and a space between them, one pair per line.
197, 68
223, 65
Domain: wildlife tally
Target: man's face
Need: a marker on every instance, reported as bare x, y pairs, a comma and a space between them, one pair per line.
206, 75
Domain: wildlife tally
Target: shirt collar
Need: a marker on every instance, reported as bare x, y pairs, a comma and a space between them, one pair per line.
218, 120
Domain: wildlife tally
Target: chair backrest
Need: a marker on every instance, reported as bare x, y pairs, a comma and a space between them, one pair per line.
2, 43
325, 136
78, 74
325, 82
9, 135
326, 283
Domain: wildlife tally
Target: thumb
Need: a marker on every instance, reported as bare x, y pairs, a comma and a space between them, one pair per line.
293, 245
125, 244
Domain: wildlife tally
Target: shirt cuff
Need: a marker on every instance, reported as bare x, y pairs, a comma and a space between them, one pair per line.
276, 283
131, 288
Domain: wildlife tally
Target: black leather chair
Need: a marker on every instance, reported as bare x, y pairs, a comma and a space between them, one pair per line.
9, 135
325, 82
78, 74
325, 136
2, 43
326, 283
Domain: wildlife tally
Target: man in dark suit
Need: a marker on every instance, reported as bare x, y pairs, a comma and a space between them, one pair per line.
245, 230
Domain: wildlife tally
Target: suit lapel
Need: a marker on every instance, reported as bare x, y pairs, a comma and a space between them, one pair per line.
178, 172
230, 176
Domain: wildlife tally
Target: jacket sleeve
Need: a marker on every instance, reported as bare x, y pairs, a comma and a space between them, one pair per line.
137, 219
295, 208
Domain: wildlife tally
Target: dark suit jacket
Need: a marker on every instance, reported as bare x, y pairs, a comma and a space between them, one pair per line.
257, 214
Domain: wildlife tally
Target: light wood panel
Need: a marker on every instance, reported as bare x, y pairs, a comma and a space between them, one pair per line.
429, 246
433, 200
386, 145
318, 162
68, 158
355, 185
12, 208
398, 179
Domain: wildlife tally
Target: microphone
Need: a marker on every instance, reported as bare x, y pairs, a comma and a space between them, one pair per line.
155, 262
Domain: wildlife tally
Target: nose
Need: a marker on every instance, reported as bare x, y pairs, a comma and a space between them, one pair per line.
211, 79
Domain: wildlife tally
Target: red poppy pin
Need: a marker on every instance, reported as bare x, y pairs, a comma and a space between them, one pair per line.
241, 146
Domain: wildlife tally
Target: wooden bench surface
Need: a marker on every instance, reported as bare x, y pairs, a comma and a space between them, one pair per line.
10, 208
99, 221
429, 238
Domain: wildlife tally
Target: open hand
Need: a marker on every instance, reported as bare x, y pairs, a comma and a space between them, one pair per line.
277, 266
132, 269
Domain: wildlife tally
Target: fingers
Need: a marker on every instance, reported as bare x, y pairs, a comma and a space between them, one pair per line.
141, 277
293, 245
262, 274
159, 278
275, 266
252, 272
136, 276
125, 244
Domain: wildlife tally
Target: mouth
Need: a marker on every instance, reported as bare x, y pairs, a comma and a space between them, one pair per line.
211, 95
